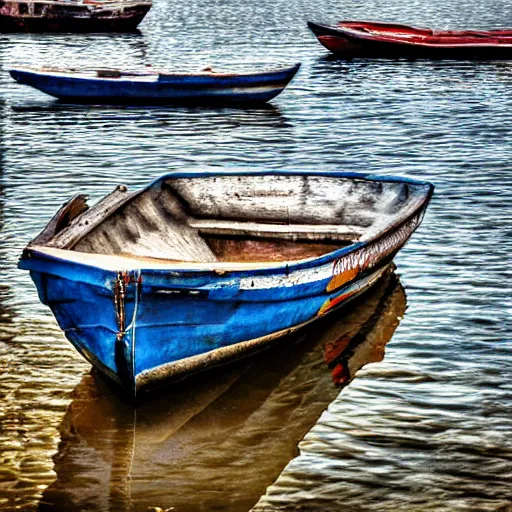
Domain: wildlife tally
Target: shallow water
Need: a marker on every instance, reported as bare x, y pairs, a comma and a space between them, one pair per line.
426, 428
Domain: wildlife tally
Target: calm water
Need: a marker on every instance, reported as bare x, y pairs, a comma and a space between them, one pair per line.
427, 428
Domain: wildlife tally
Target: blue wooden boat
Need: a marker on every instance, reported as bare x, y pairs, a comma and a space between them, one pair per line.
147, 87
201, 268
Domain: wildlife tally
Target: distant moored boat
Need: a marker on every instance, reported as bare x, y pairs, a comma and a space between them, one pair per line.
72, 15
392, 40
147, 86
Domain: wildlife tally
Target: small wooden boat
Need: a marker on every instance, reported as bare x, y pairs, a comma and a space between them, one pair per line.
114, 86
72, 15
201, 268
390, 40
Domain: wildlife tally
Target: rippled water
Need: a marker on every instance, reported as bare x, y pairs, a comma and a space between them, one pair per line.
427, 428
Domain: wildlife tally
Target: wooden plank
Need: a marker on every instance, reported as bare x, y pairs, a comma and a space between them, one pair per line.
291, 232
62, 219
89, 219
315, 200
255, 249
154, 224
128, 262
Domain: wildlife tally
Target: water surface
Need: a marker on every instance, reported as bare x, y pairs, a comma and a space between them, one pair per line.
426, 428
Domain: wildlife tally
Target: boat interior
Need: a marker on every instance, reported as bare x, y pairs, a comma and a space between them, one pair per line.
416, 34
144, 75
232, 218
147, 75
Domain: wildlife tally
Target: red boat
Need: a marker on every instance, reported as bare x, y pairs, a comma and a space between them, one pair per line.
391, 40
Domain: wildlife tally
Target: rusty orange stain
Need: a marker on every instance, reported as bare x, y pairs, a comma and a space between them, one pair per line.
341, 279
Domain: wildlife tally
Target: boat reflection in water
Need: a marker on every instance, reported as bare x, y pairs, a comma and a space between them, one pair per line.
216, 440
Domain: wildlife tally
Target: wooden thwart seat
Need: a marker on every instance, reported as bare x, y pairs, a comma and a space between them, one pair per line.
289, 232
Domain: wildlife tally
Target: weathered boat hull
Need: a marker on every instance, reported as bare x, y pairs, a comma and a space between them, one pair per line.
170, 331
193, 88
350, 43
146, 326
68, 17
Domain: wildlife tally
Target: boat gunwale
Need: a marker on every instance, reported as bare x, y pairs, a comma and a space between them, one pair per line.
434, 32
244, 269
